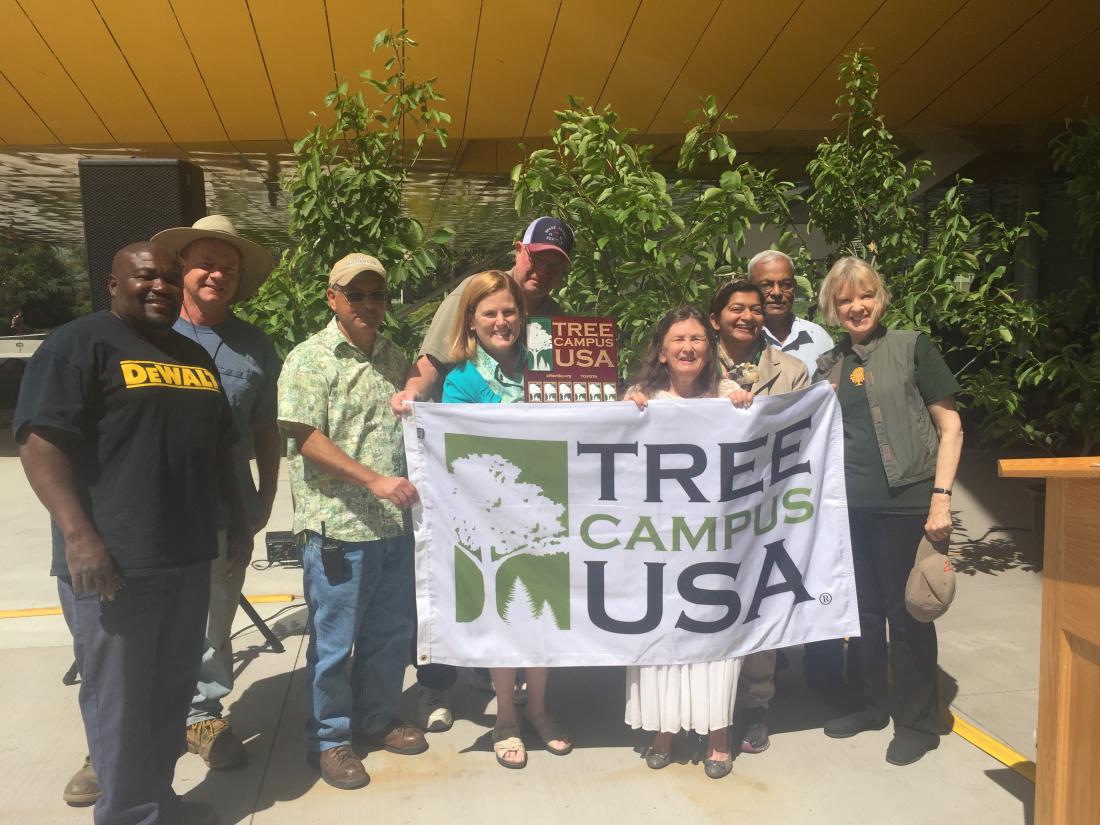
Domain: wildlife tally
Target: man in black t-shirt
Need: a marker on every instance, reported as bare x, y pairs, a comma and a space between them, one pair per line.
124, 435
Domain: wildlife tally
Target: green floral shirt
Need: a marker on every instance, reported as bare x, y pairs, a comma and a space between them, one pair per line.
344, 393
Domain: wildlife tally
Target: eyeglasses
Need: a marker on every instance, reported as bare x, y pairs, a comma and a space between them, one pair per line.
357, 296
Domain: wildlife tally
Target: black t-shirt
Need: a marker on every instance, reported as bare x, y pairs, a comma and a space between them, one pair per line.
147, 421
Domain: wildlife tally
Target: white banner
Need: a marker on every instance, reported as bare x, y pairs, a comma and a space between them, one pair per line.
598, 534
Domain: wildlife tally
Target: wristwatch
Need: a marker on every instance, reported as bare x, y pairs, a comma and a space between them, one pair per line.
942, 490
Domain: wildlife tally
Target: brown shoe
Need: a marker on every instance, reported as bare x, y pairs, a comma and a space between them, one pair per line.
214, 741
340, 767
396, 737
83, 788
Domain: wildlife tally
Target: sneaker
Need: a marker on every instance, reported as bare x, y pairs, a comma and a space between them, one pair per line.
435, 709
214, 741
850, 724
905, 750
83, 788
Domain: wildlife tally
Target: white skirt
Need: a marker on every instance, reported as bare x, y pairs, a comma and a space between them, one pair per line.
671, 698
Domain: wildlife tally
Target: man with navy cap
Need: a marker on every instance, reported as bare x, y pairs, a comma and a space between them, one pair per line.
542, 259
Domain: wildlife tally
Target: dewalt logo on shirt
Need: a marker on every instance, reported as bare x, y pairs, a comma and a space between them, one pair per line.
155, 374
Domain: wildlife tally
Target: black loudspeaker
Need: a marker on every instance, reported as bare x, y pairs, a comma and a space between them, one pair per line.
131, 199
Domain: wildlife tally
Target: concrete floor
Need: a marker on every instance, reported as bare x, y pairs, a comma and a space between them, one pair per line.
988, 654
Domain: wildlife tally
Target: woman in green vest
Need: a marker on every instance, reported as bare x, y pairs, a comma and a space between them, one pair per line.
902, 442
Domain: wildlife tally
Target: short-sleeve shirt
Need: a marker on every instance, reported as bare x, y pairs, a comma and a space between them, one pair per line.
344, 393
146, 419
807, 342
249, 372
864, 474
437, 342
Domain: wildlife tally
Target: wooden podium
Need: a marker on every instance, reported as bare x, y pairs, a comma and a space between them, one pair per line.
1067, 787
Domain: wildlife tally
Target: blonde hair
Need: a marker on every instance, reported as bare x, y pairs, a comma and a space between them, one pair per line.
857, 273
480, 287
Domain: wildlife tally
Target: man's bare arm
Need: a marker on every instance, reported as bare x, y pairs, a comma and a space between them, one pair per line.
419, 386
53, 479
269, 446
315, 446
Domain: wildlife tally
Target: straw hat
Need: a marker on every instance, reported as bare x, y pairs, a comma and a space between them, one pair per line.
256, 262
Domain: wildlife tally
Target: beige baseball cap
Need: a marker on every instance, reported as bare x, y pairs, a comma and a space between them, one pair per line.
345, 270
930, 588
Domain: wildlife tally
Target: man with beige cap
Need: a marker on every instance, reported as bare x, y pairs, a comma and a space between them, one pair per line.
346, 464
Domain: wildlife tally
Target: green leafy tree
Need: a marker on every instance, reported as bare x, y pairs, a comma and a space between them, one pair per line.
42, 282
644, 243
345, 196
949, 270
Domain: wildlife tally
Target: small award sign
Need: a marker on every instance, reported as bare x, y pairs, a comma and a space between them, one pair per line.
571, 359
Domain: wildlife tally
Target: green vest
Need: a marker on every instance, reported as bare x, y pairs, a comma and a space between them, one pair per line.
907, 437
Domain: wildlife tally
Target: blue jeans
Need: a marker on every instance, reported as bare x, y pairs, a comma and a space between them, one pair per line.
138, 657
216, 672
365, 616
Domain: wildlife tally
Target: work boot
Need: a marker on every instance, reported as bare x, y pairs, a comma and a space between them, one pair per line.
214, 741
83, 788
340, 767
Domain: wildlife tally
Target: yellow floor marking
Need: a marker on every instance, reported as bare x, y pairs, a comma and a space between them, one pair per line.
994, 747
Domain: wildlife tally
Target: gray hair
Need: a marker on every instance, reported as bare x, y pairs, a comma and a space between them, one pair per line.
767, 256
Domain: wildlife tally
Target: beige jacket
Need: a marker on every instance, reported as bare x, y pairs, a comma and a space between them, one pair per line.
779, 373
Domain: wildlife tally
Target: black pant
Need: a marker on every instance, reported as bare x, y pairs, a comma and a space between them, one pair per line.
435, 676
884, 548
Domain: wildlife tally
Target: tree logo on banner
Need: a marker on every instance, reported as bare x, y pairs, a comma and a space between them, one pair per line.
510, 500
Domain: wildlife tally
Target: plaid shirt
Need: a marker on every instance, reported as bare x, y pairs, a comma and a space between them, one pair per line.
344, 393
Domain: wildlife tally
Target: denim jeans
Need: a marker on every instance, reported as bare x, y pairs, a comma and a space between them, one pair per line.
216, 671
138, 657
365, 617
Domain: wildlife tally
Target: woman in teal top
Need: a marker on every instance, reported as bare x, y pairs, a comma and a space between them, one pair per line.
488, 351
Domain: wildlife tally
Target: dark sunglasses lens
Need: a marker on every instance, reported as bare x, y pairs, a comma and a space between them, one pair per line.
354, 297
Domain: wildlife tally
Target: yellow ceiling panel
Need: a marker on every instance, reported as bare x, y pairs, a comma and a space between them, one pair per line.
954, 48
734, 41
582, 51
231, 66
1027, 52
507, 67
1059, 86
895, 31
353, 25
26, 61
295, 44
447, 34
77, 35
805, 48
161, 60
657, 46
19, 125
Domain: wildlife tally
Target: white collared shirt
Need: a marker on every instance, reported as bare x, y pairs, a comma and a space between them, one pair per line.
807, 342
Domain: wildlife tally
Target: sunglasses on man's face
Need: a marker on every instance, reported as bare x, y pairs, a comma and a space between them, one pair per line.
357, 296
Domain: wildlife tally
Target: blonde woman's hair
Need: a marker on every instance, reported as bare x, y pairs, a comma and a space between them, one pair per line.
860, 275
480, 287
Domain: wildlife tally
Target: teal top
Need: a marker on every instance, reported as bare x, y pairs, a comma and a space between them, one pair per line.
481, 381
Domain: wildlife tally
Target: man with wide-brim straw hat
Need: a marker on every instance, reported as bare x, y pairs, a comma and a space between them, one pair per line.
220, 268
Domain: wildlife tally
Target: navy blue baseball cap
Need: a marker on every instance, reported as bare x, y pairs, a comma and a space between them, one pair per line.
549, 233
